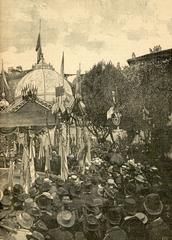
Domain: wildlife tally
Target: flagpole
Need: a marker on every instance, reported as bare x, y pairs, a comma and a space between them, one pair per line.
3, 88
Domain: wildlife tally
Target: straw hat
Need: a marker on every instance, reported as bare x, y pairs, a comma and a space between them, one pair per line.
140, 178
35, 235
25, 220
66, 218
29, 203
142, 217
8, 225
6, 201
152, 204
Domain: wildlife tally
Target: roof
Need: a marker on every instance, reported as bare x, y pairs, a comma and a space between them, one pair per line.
27, 113
160, 56
17, 105
45, 79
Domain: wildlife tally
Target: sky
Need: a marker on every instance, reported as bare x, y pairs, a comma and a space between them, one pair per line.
88, 31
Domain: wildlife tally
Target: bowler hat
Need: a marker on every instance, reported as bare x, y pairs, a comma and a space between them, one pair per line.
153, 204
17, 189
114, 215
130, 205
41, 226
91, 223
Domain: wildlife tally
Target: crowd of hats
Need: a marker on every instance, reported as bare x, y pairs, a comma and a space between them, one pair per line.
128, 197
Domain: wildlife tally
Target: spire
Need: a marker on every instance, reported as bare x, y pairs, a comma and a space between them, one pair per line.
38, 46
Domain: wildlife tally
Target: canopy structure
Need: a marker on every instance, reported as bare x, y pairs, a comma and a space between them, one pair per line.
27, 112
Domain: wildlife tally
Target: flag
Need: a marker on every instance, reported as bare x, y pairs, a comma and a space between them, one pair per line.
62, 66
39, 48
11, 175
62, 153
25, 170
4, 78
59, 91
31, 158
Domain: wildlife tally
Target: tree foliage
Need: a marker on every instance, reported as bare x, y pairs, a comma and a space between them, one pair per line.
140, 86
97, 87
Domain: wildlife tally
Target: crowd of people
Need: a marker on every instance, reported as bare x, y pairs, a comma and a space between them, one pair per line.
112, 200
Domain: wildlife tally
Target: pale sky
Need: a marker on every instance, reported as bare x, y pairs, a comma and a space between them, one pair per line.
87, 31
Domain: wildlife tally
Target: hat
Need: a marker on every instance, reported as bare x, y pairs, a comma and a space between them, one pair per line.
142, 217
41, 226
66, 200
130, 205
39, 181
140, 178
75, 190
53, 190
91, 223
1, 194
4, 213
119, 234
24, 219
44, 201
6, 201
33, 192
100, 190
8, 225
110, 192
62, 191
47, 195
60, 182
130, 188
114, 215
46, 185
17, 189
37, 235
34, 211
29, 203
152, 204
66, 218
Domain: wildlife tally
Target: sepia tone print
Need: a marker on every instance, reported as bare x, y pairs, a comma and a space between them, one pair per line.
86, 120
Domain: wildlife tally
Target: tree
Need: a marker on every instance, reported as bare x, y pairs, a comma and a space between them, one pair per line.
97, 87
149, 85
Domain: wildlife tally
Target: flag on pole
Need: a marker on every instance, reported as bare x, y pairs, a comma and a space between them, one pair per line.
62, 66
62, 153
39, 49
31, 158
11, 175
25, 170
5, 84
